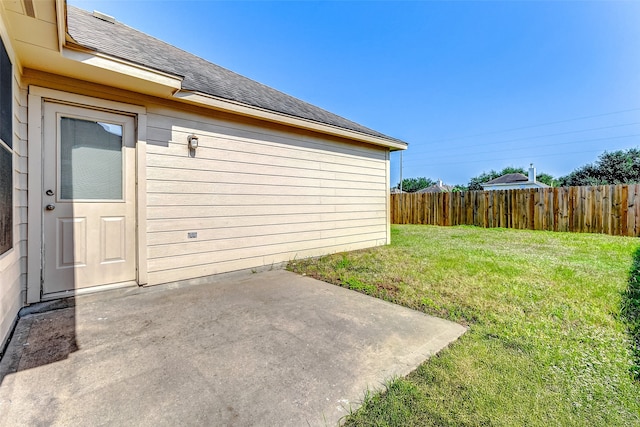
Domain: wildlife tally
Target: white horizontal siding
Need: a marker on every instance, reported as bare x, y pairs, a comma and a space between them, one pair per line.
254, 196
237, 150
235, 221
10, 299
208, 200
255, 242
260, 169
216, 230
253, 189
197, 211
242, 261
249, 177
245, 134
13, 264
229, 253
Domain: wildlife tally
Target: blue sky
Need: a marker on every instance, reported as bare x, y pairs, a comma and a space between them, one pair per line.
471, 86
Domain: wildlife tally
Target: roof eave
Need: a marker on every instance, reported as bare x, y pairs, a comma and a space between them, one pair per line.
174, 84
157, 79
504, 184
222, 104
120, 66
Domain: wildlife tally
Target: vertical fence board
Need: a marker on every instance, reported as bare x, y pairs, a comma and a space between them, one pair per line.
598, 214
517, 219
631, 210
580, 210
517, 208
500, 209
502, 214
571, 210
636, 209
556, 209
624, 207
563, 196
605, 203
616, 209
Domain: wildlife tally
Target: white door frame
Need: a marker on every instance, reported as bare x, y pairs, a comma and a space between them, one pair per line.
37, 95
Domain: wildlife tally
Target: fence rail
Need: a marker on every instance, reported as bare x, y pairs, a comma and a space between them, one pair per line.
606, 209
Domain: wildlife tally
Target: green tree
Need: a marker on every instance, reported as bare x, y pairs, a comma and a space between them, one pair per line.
545, 178
616, 167
411, 185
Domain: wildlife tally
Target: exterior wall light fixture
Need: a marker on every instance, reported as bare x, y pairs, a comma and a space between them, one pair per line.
192, 142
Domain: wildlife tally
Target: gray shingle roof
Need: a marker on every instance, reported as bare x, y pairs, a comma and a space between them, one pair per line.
508, 179
121, 41
444, 188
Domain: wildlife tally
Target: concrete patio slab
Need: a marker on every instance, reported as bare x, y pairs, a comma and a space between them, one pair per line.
271, 348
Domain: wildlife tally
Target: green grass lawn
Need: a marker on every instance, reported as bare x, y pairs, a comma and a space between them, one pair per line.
547, 344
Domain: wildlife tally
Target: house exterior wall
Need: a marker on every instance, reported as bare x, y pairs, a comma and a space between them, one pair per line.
255, 193
13, 262
254, 196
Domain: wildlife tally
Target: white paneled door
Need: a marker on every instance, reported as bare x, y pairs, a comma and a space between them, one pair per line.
88, 198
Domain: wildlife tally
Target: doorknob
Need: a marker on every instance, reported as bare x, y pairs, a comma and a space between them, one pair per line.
49, 193
50, 207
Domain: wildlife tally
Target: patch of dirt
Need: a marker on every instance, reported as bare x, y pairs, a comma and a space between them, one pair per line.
390, 288
52, 337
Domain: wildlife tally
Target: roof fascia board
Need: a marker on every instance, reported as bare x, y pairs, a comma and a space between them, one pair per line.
263, 114
61, 22
124, 67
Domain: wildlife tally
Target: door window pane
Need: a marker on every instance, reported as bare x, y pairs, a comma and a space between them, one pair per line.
90, 160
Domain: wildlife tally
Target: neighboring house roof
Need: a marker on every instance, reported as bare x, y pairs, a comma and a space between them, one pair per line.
514, 180
437, 188
396, 191
507, 179
118, 40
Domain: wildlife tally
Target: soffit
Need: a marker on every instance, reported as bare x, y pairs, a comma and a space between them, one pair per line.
33, 29
35, 41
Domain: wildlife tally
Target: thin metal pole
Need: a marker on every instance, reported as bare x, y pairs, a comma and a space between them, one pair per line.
400, 172
401, 193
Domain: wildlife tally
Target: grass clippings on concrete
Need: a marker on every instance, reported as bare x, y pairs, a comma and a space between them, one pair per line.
551, 317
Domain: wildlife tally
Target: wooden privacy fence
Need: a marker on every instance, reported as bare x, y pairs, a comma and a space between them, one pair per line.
607, 209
